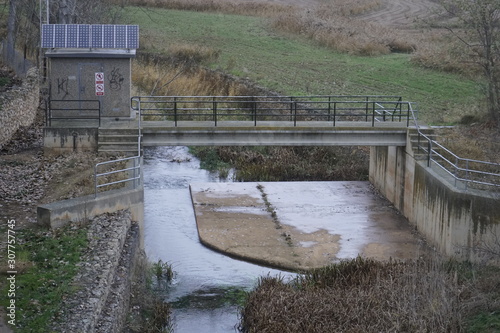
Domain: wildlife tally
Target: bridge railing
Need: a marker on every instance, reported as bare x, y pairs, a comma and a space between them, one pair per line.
73, 110
333, 109
467, 172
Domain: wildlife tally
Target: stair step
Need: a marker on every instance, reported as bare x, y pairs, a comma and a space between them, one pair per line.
118, 131
117, 138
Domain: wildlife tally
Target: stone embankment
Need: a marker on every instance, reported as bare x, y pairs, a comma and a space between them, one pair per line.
104, 283
19, 106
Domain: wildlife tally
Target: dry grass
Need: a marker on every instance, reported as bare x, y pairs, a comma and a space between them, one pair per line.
296, 163
363, 295
249, 8
336, 25
335, 32
159, 75
478, 140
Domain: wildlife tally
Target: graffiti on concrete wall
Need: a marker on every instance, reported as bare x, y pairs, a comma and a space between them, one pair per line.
116, 79
62, 88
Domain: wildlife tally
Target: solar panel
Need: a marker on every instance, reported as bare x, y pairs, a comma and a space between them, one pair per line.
102, 36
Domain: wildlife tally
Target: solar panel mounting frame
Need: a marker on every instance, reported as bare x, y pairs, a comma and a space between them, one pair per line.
91, 36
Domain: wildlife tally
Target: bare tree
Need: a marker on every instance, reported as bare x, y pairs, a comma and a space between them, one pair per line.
480, 33
23, 23
11, 29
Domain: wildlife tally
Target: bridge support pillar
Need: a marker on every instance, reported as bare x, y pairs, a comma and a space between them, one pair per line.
459, 223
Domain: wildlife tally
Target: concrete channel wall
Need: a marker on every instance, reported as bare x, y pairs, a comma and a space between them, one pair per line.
459, 223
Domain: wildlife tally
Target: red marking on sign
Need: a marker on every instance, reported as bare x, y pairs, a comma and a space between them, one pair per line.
99, 89
99, 77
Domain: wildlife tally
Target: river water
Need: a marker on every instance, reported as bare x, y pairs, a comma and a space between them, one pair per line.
206, 284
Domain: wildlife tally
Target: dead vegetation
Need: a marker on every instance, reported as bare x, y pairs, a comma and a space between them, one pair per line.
364, 295
181, 74
296, 163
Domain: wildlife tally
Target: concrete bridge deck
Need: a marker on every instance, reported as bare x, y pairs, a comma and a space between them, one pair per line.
284, 133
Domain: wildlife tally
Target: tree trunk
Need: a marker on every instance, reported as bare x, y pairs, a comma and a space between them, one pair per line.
11, 30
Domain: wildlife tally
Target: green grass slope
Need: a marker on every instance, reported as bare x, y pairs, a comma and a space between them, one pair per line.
290, 65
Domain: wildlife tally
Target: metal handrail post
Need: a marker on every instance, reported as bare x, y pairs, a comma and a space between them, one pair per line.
408, 115
366, 108
254, 110
329, 107
334, 113
373, 114
400, 109
295, 114
429, 152
95, 181
50, 115
455, 175
214, 105
139, 134
175, 111
466, 173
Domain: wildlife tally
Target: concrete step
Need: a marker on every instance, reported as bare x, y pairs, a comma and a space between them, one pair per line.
117, 138
117, 147
118, 131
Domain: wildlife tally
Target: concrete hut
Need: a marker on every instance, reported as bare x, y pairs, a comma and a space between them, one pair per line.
89, 82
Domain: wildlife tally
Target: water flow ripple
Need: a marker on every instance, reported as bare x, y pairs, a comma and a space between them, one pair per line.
171, 236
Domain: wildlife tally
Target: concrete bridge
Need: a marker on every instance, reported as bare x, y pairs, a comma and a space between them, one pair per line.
453, 201
263, 120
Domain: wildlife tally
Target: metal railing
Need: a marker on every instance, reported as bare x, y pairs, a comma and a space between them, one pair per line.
133, 173
471, 173
130, 173
73, 110
329, 108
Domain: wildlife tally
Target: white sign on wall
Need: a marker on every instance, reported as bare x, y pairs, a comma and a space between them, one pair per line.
99, 84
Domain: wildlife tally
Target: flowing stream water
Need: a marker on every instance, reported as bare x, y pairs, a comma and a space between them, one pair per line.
207, 284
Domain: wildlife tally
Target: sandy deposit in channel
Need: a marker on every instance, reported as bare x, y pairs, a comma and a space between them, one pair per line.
315, 224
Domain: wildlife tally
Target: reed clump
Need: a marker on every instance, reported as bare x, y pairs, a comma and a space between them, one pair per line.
296, 163
365, 295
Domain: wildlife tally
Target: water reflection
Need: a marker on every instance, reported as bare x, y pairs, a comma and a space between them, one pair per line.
206, 288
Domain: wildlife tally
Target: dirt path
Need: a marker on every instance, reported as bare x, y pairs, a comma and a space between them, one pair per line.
401, 13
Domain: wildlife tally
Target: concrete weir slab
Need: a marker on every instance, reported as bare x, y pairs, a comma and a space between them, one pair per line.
301, 225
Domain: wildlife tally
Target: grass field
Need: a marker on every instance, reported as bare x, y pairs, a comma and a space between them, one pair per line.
248, 48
